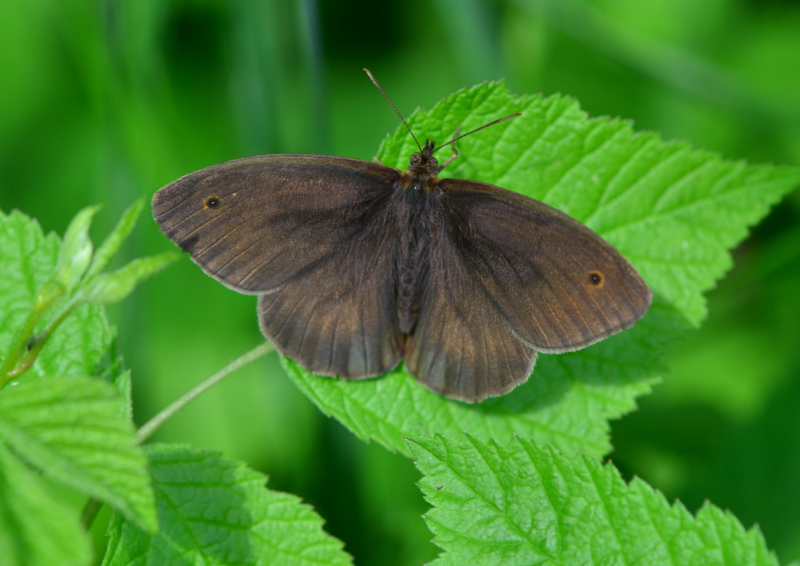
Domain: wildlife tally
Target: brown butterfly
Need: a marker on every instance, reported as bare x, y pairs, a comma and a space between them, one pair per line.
359, 266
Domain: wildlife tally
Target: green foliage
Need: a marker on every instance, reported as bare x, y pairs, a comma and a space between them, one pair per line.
115, 286
73, 431
36, 527
524, 503
27, 260
75, 276
109, 104
672, 211
215, 511
76, 250
113, 242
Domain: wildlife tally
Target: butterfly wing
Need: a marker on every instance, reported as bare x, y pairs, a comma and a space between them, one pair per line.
559, 285
310, 235
509, 276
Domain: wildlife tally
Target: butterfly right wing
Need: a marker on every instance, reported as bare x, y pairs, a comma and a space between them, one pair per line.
510, 276
559, 285
461, 345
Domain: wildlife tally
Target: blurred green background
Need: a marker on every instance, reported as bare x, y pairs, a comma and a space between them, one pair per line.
105, 101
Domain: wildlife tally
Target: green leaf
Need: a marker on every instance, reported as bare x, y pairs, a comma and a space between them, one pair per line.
672, 211
114, 241
216, 511
77, 249
76, 431
36, 529
122, 382
115, 286
47, 295
524, 503
112, 369
27, 260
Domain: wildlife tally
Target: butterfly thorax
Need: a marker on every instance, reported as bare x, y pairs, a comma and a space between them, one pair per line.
418, 210
422, 170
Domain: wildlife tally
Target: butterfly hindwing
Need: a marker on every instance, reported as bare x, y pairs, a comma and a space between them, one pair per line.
338, 316
461, 345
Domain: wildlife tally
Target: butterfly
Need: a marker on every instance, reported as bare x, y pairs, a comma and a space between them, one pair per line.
359, 266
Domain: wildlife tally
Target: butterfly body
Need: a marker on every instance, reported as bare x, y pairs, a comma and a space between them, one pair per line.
359, 266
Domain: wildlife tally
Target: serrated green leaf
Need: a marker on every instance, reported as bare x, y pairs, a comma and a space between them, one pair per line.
672, 211
74, 430
76, 251
112, 369
564, 402
216, 511
115, 286
115, 239
524, 503
27, 260
36, 529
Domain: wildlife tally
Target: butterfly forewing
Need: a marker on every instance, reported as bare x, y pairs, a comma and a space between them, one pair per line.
253, 223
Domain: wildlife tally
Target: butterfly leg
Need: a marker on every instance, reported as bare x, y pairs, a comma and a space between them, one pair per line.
455, 150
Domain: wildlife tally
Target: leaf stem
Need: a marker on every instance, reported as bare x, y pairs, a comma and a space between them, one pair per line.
14, 352
150, 427
93, 505
24, 342
38, 340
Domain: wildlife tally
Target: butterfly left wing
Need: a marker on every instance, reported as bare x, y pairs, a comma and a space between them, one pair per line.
311, 234
338, 317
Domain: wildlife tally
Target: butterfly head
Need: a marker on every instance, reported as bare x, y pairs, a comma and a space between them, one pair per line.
424, 162
422, 168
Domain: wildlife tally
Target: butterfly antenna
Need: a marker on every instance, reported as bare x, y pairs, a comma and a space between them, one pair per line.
478, 130
389, 100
